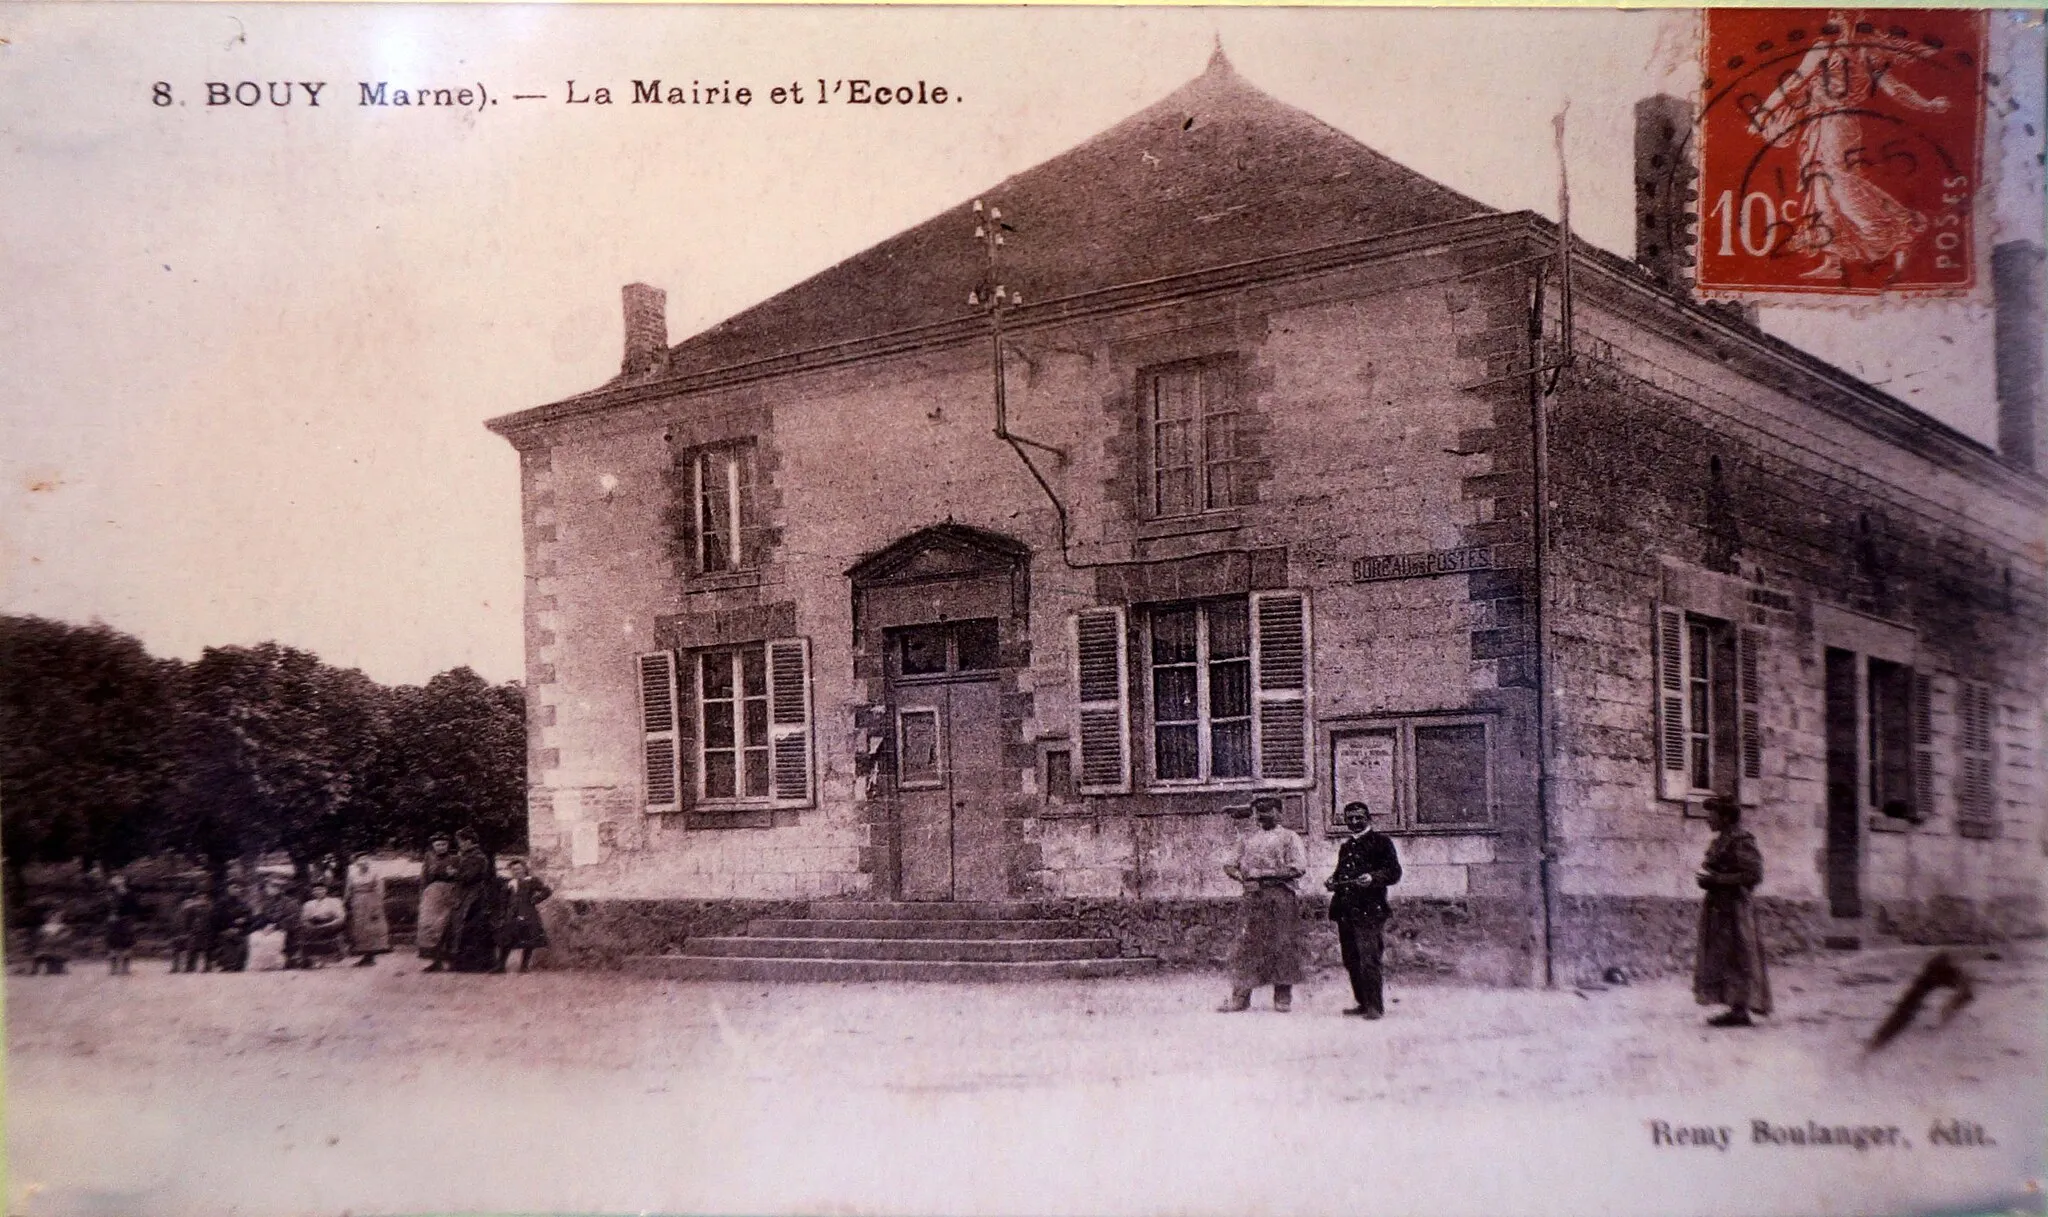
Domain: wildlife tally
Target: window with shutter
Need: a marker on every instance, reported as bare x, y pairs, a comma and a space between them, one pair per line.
1674, 722
661, 774
1102, 701
1709, 701
1280, 662
1976, 787
789, 722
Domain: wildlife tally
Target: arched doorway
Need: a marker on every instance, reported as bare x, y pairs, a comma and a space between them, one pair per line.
942, 624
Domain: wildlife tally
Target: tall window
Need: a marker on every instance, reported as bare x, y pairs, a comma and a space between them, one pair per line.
1201, 683
728, 728
1708, 739
1192, 413
721, 495
1699, 693
732, 705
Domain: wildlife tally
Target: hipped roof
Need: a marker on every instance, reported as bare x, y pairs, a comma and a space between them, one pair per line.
1216, 173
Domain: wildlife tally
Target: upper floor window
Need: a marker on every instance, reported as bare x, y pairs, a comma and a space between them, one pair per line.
1191, 414
721, 516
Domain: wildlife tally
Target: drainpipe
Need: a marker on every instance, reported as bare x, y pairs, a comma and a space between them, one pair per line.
1546, 870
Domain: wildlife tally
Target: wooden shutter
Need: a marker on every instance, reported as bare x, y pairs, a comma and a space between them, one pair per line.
660, 750
791, 762
1976, 790
1102, 701
1749, 715
1923, 747
1280, 666
1674, 708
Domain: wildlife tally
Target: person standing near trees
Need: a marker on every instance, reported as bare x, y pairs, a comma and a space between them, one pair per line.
521, 926
124, 914
192, 933
437, 900
228, 931
472, 936
369, 929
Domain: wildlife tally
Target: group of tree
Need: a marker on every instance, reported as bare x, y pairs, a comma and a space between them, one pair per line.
109, 754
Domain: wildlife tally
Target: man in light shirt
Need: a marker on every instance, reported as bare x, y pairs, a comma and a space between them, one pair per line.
1268, 952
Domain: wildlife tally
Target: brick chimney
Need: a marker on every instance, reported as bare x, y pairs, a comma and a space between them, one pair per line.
2016, 275
646, 331
1667, 190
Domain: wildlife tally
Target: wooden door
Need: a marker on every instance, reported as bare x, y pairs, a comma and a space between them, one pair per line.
948, 783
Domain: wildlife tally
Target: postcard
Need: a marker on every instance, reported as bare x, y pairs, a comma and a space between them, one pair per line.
1113, 611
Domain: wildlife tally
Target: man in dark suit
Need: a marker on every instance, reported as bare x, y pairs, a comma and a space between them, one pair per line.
1366, 867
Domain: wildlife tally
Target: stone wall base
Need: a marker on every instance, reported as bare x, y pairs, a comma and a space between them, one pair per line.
1650, 936
1471, 941
1476, 941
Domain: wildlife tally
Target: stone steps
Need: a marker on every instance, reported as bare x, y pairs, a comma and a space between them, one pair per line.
903, 927
962, 950
721, 967
934, 910
912, 941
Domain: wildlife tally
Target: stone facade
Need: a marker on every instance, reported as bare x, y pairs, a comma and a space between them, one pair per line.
1381, 464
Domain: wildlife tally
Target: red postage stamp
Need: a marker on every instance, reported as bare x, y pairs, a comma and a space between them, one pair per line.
1840, 151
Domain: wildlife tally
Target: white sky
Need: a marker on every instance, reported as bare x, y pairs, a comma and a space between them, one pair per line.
245, 355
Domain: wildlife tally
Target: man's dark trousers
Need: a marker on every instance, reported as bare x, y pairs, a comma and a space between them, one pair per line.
1362, 940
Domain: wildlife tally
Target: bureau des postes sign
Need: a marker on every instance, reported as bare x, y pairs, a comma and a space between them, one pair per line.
1375, 567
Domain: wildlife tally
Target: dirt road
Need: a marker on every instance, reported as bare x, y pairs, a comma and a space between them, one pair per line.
383, 1090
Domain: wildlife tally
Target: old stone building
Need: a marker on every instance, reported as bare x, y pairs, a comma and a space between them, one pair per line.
1248, 461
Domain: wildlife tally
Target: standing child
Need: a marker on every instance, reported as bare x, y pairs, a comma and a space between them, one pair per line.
124, 914
522, 927
191, 937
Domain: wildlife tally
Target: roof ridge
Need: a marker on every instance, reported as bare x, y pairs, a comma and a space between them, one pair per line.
1215, 172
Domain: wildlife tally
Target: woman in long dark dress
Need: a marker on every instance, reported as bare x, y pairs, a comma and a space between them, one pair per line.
472, 940
521, 926
437, 902
1731, 969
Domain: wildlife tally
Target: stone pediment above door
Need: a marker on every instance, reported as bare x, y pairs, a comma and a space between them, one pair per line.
943, 551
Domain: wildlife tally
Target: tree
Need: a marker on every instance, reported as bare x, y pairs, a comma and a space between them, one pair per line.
85, 742
453, 756
274, 745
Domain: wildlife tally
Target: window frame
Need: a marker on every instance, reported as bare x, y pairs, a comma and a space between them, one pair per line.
1723, 681
940, 761
1222, 371
954, 632
1204, 720
1401, 818
701, 737
733, 454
